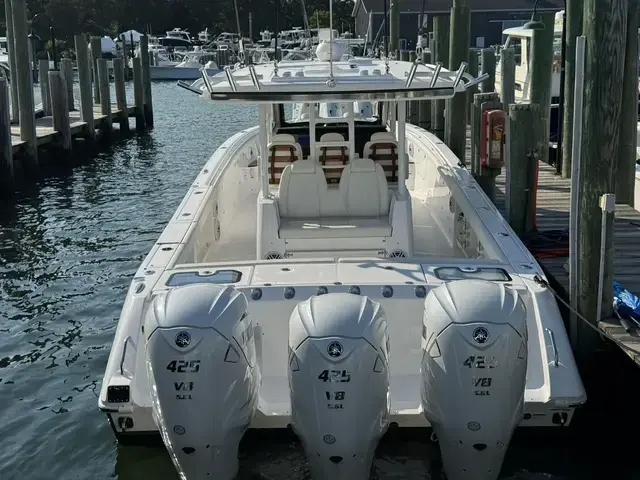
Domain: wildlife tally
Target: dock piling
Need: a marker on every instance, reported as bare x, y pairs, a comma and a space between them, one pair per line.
456, 124
6, 149
45, 92
508, 76
138, 93
15, 106
440, 54
96, 53
84, 78
121, 97
472, 70
105, 94
24, 80
523, 167
424, 120
488, 60
66, 67
146, 81
60, 107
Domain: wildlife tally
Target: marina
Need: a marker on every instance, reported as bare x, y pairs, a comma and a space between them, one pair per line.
321, 225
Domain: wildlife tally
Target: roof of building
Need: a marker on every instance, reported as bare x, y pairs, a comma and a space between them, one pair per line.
439, 6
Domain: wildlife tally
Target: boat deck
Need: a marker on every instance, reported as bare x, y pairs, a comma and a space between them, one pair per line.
553, 202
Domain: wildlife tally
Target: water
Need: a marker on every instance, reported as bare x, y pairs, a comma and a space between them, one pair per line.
69, 245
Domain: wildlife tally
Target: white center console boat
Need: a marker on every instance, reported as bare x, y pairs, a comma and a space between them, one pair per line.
339, 274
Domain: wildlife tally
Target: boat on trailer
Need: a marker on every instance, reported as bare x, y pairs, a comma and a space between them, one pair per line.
340, 275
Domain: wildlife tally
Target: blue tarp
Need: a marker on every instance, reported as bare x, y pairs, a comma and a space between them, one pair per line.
625, 302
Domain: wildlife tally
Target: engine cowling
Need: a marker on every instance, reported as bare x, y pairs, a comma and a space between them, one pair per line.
339, 383
203, 376
474, 373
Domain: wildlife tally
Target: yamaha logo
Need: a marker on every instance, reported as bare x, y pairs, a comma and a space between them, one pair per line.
334, 349
480, 335
183, 339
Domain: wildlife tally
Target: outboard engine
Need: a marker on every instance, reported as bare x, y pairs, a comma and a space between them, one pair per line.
339, 383
474, 369
203, 375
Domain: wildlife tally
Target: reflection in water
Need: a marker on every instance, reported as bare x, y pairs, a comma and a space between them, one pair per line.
69, 246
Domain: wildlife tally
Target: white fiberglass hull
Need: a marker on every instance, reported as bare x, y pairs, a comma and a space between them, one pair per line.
179, 73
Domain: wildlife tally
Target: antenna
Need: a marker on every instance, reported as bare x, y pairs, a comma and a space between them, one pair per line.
386, 41
331, 40
275, 50
240, 42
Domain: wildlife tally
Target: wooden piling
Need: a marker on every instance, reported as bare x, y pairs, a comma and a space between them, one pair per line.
508, 76
404, 55
626, 172
43, 75
138, 93
96, 53
15, 106
146, 81
541, 67
105, 95
605, 30
424, 118
121, 96
66, 67
488, 60
84, 78
472, 69
523, 167
440, 54
24, 80
573, 13
60, 108
6, 150
459, 39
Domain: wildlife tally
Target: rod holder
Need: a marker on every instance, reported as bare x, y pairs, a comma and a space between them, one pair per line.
412, 74
232, 82
254, 77
461, 71
436, 74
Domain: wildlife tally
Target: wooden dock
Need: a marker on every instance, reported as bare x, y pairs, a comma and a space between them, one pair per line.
46, 134
553, 199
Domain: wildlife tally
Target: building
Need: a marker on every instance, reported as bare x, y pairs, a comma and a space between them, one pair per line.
488, 18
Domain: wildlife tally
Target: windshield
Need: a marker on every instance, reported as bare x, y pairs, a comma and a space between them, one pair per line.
363, 111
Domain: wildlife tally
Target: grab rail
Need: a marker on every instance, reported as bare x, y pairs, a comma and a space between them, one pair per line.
124, 353
553, 345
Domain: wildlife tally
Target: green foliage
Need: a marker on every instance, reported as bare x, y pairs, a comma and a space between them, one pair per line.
109, 17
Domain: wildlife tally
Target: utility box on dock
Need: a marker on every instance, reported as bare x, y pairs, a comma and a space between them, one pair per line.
492, 134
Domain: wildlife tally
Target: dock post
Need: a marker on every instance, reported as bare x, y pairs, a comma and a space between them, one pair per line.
6, 149
105, 97
24, 80
138, 93
508, 76
146, 81
394, 25
541, 68
488, 60
523, 167
424, 120
15, 106
626, 175
66, 67
605, 25
573, 15
96, 53
459, 39
45, 92
84, 77
60, 107
472, 70
440, 54
404, 55
121, 96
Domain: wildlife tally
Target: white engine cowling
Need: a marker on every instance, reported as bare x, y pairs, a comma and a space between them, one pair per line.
339, 382
203, 375
474, 369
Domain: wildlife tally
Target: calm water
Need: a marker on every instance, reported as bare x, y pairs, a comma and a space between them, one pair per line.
69, 245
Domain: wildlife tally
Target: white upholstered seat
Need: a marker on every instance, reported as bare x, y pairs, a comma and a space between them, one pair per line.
364, 189
302, 188
283, 151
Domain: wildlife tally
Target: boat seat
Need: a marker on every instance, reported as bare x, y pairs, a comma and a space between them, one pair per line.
383, 149
283, 151
364, 189
333, 155
301, 191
